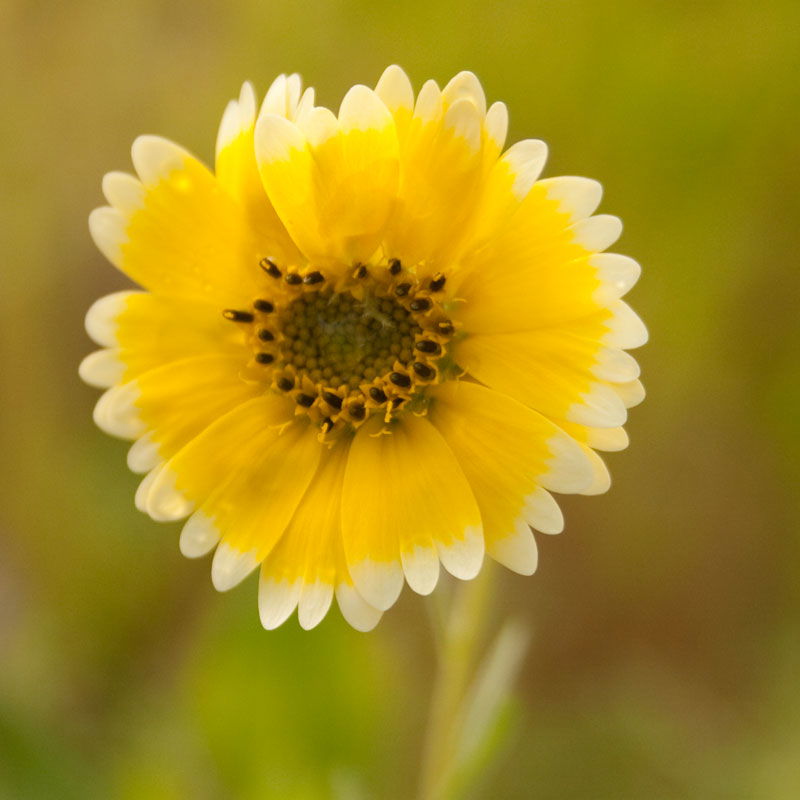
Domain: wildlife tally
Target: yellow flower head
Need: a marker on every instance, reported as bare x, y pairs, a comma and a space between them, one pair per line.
368, 343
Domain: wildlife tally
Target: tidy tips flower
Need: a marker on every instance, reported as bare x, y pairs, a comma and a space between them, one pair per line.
367, 344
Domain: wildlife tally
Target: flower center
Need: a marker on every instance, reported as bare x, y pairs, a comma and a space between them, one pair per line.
349, 347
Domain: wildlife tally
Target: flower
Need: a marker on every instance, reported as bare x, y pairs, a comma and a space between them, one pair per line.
366, 344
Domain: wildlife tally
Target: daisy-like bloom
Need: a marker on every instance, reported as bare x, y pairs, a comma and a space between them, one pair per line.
367, 344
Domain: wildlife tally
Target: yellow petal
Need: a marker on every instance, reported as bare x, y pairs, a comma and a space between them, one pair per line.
148, 331
405, 499
237, 171
507, 453
308, 562
334, 183
184, 236
441, 171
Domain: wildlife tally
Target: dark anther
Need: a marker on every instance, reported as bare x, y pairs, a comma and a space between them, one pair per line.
428, 346
313, 277
378, 395
395, 266
445, 327
397, 402
402, 289
265, 358
270, 267
327, 424
420, 304
265, 335
437, 282
305, 400
293, 279
237, 316
333, 400
285, 384
423, 370
360, 272
264, 305
400, 379
357, 411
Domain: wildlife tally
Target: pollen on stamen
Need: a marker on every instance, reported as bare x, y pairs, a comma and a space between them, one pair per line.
343, 350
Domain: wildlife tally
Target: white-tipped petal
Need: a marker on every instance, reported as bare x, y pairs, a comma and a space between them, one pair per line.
421, 568
517, 551
229, 567
123, 192
463, 557
597, 233
116, 412
464, 120
631, 393
615, 365
607, 439
315, 600
626, 329
577, 197
101, 318
542, 512
145, 486
599, 407
143, 455
102, 368
154, 158
378, 582
568, 471
617, 274
107, 228
496, 124
363, 110
526, 160
276, 137
394, 88
199, 536
601, 478
465, 85
429, 102
165, 503
277, 600
229, 128
358, 613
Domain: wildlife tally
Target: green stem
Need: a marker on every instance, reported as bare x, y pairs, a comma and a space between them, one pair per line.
461, 637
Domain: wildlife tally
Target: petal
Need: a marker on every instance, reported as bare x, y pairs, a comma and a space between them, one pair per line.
440, 175
355, 609
507, 453
308, 562
149, 331
333, 187
404, 498
180, 399
237, 171
185, 237
556, 381
199, 536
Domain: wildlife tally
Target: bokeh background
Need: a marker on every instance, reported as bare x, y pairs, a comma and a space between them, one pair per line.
666, 620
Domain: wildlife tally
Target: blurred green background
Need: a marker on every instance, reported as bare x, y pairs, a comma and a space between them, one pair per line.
666, 620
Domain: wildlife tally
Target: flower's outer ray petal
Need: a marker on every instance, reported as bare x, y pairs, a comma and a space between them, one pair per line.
214, 457
307, 564
237, 171
302, 566
148, 330
508, 452
404, 498
540, 267
184, 236
177, 401
334, 182
441, 153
